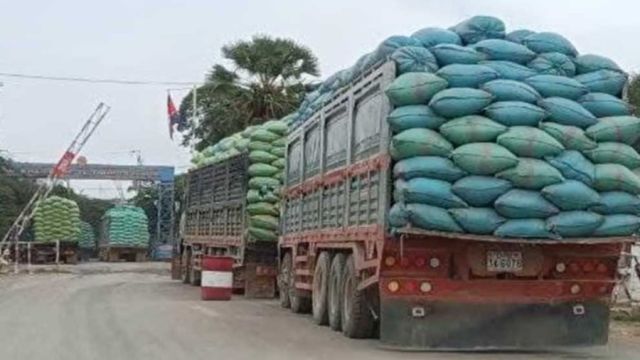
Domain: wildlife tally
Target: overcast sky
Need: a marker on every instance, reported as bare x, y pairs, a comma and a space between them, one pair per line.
167, 40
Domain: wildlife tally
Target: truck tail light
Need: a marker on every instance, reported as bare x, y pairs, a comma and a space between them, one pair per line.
601, 268
434, 262
588, 267
425, 287
393, 286
575, 289
410, 286
390, 261
561, 267
419, 262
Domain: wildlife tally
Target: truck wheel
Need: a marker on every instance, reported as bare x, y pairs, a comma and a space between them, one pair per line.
283, 281
185, 267
319, 289
195, 276
334, 291
357, 320
299, 303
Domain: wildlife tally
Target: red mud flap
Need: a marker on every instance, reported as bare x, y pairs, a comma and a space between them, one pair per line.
422, 325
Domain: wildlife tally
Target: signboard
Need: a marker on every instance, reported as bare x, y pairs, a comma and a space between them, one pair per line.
97, 171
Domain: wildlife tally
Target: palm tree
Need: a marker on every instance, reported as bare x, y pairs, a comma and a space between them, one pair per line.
266, 80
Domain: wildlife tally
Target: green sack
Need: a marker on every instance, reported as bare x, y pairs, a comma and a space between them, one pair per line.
483, 158
615, 177
264, 183
571, 137
282, 142
471, 128
261, 157
266, 222
265, 170
276, 126
262, 208
414, 88
259, 145
615, 153
264, 135
414, 116
278, 151
280, 163
419, 142
262, 234
254, 196
624, 129
531, 174
530, 142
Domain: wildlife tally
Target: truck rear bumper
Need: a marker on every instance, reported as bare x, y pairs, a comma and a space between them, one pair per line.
420, 325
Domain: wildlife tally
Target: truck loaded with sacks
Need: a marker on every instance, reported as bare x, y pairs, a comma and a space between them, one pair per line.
232, 208
462, 188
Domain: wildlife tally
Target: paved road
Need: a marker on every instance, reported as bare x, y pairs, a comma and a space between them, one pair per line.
122, 316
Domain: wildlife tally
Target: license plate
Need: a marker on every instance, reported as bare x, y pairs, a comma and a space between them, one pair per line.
504, 261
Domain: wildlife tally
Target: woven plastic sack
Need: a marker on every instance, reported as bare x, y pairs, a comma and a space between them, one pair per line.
263, 234
531, 174
571, 137
394, 42
574, 166
434, 167
265, 170
448, 54
513, 113
605, 81
517, 36
625, 129
618, 225
428, 191
414, 116
511, 90
589, 63
432, 218
264, 183
282, 142
414, 88
480, 28
259, 145
276, 126
530, 142
574, 223
471, 128
567, 112
467, 75
263, 157
278, 151
398, 216
522, 204
617, 202
510, 70
545, 42
483, 158
499, 49
254, 196
479, 221
615, 177
458, 102
571, 195
525, 228
419, 142
264, 135
414, 59
553, 64
87, 238
480, 191
280, 163
267, 222
604, 105
560, 86
616, 153
433, 36
262, 208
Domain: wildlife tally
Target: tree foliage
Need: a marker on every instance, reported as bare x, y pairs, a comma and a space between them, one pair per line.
633, 92
265, 80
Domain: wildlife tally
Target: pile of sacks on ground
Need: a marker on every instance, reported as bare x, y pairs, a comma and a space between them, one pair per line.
57, 219
87, 236
511, 134
125, 225
267, 161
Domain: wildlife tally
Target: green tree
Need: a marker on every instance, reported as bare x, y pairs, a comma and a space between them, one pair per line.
633, 92
265, 80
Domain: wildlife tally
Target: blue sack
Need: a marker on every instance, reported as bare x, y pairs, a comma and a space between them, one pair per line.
479, 221
571, 195
455, 54
435, 167
545, 42
514, 113
480, 191
510, 70
430, 192
398, 216
432, 218
433, 36
618, 225
479, 28
574, 166
567, 112
574, 223
414, 59
617, 202
605, 81
467, 75
560, 86
603, 105
589, 63
525, 228
414, 116
517, 36
457, 102
522, 204
498, 49
511, 90
553, 64
392, 43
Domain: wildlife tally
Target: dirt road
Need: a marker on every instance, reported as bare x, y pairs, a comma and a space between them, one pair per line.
144, 315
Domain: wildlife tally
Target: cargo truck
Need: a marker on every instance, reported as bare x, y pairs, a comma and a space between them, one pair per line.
215, 223
420, 289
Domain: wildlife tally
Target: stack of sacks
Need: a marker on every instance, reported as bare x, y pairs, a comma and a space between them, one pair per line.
224, 149
514, 135
57, 219
267, 157
126, 225
87, 236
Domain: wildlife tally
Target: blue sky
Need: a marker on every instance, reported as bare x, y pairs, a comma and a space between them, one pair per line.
180, 40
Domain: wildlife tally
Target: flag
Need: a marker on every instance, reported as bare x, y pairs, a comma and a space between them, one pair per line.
174, 116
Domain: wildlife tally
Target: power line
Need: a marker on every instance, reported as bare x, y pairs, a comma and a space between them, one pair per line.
98, 81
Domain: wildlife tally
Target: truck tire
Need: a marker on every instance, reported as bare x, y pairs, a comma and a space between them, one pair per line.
334, 298
357, 320
185, 265
319, 289
299, 304
283, 281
